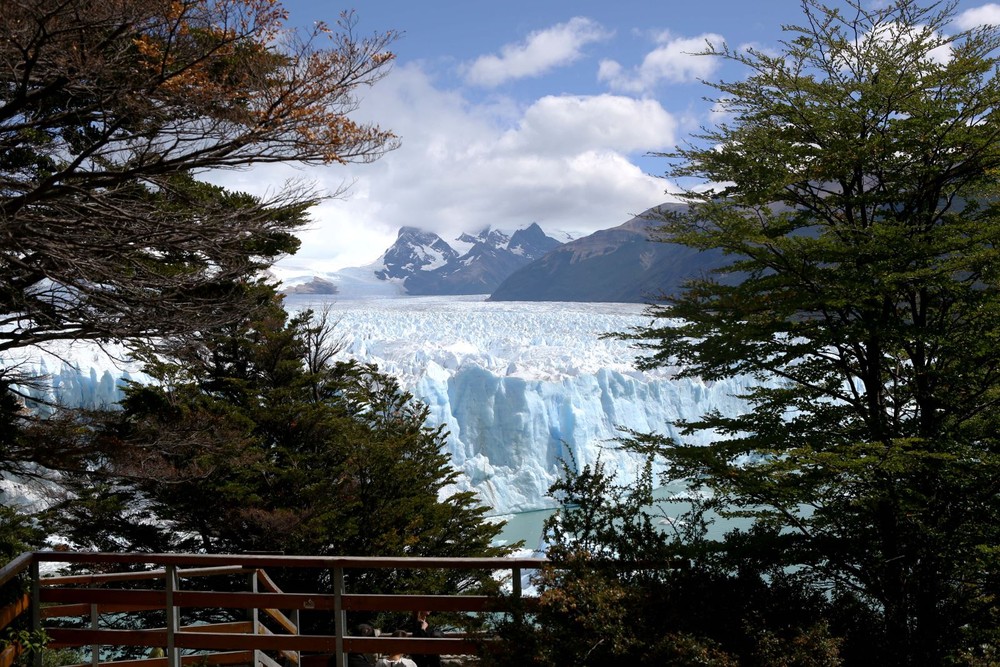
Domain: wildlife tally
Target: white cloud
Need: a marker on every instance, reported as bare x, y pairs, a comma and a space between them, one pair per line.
673, 61
562, 162
567, 125
988, 14
540, 52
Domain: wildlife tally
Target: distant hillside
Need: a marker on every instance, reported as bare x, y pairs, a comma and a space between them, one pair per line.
315, 285
621, 264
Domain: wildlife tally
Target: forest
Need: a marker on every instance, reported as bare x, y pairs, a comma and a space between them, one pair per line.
851, 185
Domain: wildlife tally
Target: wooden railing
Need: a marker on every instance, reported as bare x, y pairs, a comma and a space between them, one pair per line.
269, 635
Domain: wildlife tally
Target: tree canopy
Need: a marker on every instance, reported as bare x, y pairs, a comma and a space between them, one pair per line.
253, 439
855, 193
110, 112
851, 182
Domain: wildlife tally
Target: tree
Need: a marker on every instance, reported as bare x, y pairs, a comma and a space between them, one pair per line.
855, 195
255, 439
109, 111
630, 582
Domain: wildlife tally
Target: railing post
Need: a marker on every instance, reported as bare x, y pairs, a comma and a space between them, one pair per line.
339, 615
95, 624
255, 614
297, 622
36, 608
173, 617
515, 583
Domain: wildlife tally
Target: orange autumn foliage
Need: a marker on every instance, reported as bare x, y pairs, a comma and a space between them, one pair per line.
180, 84
111, 110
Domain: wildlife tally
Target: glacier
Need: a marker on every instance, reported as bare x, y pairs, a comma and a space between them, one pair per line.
74, 373
520, 386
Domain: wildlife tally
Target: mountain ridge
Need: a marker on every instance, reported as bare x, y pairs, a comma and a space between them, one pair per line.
621, 264
428, 265
626, 264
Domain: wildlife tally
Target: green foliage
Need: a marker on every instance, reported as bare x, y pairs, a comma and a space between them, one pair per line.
30, 641
109, 115
630, 583
254, 440
60, 657
852, 185
859, 212
18, 533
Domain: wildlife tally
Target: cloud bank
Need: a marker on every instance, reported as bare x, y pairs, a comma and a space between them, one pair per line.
674, 60
563, 161
471, 157
988, 14
541, 52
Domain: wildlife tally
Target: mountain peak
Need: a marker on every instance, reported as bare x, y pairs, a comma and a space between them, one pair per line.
414, 250
619, 264
426, 264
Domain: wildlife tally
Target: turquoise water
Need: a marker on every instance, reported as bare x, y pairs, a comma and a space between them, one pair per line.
527, 526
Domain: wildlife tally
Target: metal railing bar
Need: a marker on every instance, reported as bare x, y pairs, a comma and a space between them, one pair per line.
73, 598
263, 578
83, 609
329, 562
68, 637
288, 624
16, 567
173, 618
36, 607
226, 658
339, 616
66, 580
271, 602
266, 660
95, 624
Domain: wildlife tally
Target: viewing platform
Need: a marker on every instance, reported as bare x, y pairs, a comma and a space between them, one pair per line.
102, 612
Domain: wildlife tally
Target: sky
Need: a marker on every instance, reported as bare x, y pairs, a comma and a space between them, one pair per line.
513, 112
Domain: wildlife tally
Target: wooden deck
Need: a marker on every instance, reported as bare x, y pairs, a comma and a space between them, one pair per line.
269, 637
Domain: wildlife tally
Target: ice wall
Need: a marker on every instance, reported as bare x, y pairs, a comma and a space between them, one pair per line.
74, 374
508, 434
520, 386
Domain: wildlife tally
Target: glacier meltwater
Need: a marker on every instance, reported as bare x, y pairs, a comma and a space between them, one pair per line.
519, 386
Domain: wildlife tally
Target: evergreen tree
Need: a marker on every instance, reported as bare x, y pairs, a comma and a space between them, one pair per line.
855, 183
631, 582
253, 439
107, 110
109, 114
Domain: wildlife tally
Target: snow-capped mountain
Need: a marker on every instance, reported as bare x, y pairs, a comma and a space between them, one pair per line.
426, 264
421, 263
414, 251
519, 386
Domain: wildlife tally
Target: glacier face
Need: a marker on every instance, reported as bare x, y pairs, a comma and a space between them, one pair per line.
77, 374
520, 386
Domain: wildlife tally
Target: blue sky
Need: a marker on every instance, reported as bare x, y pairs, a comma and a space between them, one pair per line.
517, 112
